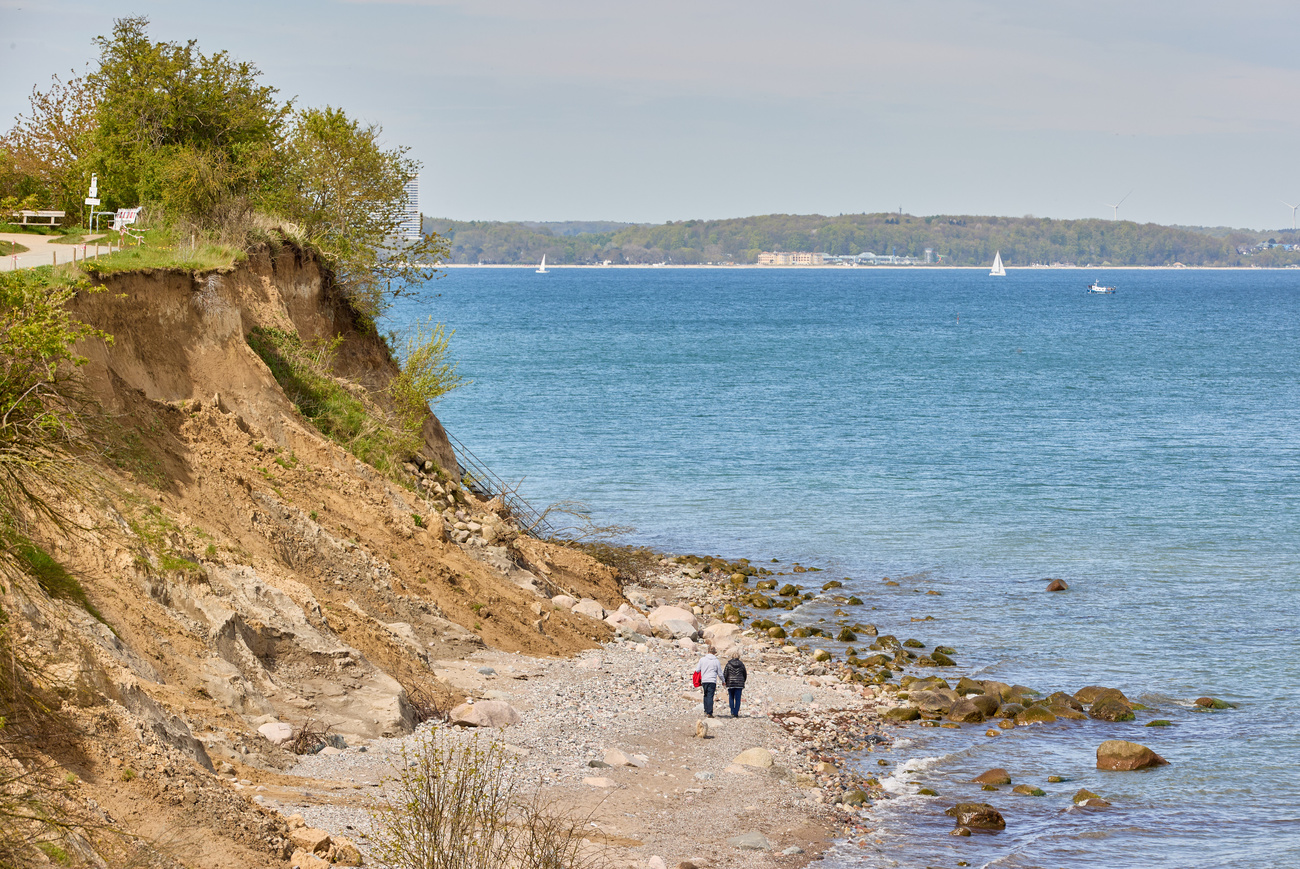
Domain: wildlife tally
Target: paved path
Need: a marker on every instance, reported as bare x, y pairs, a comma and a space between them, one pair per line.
43, 251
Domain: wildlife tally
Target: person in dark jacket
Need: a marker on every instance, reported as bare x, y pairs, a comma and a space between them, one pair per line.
733, 676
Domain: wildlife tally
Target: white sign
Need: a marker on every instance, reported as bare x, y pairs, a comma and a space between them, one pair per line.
91, 201
94, 190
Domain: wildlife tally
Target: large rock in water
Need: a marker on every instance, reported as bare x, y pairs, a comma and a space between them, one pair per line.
939, 700
978, 815
998, 776
1119, 755
966, 712
1108, 707
485, 713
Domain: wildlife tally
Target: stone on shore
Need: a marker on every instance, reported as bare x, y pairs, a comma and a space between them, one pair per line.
978, 815
614, 757
276, 732
310, 839
997, 776
702, 729
306, 860
563, 601
720, 632
599, 782
590, 608
750, 842
1122, 756
659, 615
759, 758
485, 713
680, 628
630, 620
346, 853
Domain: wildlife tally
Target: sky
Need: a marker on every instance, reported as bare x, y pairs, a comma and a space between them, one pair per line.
670, 110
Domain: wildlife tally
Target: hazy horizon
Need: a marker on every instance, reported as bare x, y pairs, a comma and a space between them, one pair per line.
572, 108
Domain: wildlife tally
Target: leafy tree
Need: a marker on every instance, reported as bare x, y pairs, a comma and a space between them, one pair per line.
179, 128
346, 192
42, 152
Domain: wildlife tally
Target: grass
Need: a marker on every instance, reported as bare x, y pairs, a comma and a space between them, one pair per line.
8, 247
346, 417
50, 575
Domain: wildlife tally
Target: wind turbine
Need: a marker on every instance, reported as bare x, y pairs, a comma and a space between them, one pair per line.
1293, 208
1115, 207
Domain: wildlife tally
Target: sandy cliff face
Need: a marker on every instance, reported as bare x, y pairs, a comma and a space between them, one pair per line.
250, 571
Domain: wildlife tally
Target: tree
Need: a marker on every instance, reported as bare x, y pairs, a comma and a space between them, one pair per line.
347, 193
42, 153
179, 128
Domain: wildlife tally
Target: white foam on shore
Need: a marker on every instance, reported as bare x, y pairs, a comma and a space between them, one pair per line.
894, 783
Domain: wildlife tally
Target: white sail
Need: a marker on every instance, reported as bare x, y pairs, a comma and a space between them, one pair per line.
998, 271
541, 269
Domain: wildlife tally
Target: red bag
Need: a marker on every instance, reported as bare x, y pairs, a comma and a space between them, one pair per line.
695, 679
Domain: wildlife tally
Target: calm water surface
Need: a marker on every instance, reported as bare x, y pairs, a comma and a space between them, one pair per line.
970, 436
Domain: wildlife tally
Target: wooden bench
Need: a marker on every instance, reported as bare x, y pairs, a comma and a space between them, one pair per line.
39, 218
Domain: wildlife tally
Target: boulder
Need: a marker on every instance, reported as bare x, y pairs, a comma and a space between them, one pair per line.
276, 732
485, 713
1034, 715
1083, 795
967, 686
1120, 755
563, 601
978, 815
1029, 791
310, 839
942, 660
1068, 713
902, 713
680, 629
1214, 703
630, 621
759, 758
1110, 708
1060, 698
346, 853
940, 700
1090, 694
993, 688
720, 631
306, 860
984, 703
998, 776
659, 615
1057, 585
965, 711
821, 655
590, 608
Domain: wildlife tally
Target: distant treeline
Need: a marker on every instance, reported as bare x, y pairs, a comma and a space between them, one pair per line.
962, 240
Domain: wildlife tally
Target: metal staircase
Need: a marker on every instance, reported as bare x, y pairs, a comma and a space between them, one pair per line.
479, 479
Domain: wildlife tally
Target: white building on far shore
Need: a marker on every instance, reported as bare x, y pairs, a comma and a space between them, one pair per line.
410, 229
790, 258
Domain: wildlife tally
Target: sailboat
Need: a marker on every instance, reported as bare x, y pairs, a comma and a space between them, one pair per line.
541, 269
998, 271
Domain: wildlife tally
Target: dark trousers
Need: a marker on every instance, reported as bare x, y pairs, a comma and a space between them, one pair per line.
733, 698
709, 688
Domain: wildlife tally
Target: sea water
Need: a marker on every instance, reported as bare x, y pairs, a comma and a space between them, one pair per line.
971, 436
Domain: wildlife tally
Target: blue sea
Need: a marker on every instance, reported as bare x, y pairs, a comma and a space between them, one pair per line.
970, 436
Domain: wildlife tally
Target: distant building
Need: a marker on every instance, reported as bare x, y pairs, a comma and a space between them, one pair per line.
409, 228
790, 258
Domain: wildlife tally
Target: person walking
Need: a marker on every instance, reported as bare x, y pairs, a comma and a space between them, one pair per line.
733, 675
710, 670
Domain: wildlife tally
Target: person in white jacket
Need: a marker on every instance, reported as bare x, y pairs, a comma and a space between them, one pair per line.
710, 670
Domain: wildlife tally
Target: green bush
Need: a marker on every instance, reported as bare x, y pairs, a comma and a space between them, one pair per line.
341, 411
